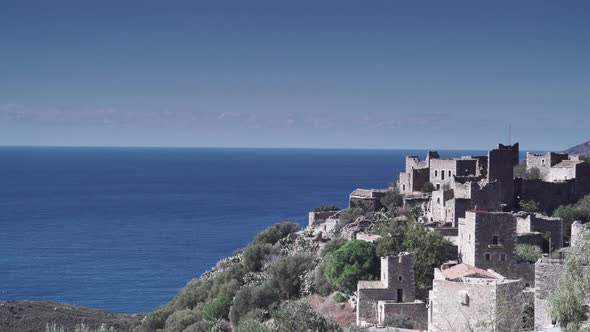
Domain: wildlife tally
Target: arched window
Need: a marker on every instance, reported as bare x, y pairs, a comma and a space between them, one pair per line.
435, 173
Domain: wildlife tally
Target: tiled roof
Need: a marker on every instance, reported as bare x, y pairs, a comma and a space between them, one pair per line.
568, 163
464, 270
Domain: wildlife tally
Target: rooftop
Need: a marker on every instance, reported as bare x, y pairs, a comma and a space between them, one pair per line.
568, 164
467, 271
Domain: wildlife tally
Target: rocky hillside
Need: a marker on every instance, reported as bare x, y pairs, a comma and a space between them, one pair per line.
24, 316
580, 149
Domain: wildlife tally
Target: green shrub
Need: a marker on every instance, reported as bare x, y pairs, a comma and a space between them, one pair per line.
392, 200
354, 261
355, 328
568, 301
78, 328
217, 309
340, 298
325, 208
529, 206
276, 232
321, 285
263, 296
200, 326
255, 255
251, 325
299, 316
528, 253
180, 320
286, 274
332, 246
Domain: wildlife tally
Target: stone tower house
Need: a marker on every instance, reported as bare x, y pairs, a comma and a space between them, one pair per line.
396, 284
487, 240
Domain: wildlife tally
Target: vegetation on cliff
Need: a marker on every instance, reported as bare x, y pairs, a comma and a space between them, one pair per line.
570, 299
267, 283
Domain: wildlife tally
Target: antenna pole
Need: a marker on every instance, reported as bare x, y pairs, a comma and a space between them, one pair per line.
509, 134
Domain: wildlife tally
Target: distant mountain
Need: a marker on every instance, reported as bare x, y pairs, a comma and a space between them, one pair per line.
581, 149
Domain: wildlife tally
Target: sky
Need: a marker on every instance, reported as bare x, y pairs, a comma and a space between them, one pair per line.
313, 74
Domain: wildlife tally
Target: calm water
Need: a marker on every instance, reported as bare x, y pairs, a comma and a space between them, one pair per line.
123, 229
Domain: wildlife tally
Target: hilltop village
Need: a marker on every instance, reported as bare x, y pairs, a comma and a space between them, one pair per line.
470, 244
486, 206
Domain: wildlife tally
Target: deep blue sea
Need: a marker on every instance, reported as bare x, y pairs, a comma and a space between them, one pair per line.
123, 229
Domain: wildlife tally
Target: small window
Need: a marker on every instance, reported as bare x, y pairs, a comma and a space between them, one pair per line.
442, 175
450, 173
527, 285
438, 187
404, 187
438, 200
503, 257
496, 240
469, 237
435, 173
400, 278
488, 257
543, 162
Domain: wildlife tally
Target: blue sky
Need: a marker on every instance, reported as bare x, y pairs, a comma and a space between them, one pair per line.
358, 74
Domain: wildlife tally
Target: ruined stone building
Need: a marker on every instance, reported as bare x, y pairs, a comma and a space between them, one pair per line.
393, 294
471, 299
460, 184
545, 232
488, 240
487, 183
367, 199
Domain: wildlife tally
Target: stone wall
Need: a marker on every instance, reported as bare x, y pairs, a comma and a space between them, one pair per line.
533, 239
319, 217
526, 272
413, 311
397, 280
466, 306
549, 195
488, 240
558, 174
367, 200
577, 229
466, 167
547, 274
551, 228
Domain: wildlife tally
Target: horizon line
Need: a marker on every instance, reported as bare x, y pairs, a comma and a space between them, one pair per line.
257, 147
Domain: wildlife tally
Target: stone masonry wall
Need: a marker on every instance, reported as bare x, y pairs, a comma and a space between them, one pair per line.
414, 311
547, 275
480, 250
448, 313
397, 273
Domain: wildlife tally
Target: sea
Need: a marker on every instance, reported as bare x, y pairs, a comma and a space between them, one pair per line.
124, 229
